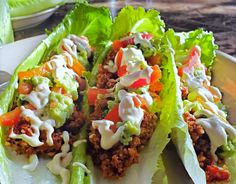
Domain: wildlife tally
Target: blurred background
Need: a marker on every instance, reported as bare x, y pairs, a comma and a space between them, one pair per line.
218, 16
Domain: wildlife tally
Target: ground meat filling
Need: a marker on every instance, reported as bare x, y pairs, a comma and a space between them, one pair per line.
202, 146
72, 125
114, 162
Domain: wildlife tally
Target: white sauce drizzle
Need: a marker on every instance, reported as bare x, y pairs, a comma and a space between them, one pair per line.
40, 97
37, 125
216, 128
58, 63
108, 137
62, 160
128, 111
79, 164
127, 80
33, 163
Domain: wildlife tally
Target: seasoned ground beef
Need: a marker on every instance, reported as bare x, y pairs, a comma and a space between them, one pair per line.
72, 125
202, 146
114, 162
105, 79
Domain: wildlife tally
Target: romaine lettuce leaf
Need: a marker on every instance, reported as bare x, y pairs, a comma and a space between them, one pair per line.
6, 32
180, 135
184, 41
83, 20
28, 7
134, 20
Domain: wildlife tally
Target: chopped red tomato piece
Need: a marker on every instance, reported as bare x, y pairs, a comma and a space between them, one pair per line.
113, 116
10, 118
139, 83
192, 61
93, 93
25, 88
137, 103
146, 36
122, 70
116, 45
119, 58
215, 173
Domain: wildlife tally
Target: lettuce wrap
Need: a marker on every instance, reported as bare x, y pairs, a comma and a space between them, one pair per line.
94, 23
131, 20
187, 47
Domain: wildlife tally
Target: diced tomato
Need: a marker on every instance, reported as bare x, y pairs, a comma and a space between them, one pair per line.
146, 36
128, 41
137, 103
156, 74
139, 83
154, 60
113, 116
116, 45
215, 173
144, 104
119, 58
10, 118
40, 71
180, 71
25, 88
93, 93
193, 61
122, 70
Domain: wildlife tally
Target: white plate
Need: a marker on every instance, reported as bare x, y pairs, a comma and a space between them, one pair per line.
224, 77
24, 22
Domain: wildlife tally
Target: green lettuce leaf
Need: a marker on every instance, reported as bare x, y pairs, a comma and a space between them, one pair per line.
83, 20
28, 7
184, 41
180, 135
6, 32
134, 20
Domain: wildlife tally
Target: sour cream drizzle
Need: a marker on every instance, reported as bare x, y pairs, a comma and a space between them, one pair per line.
127, 109
33, 163
216, 128
36, 124
62, 160
39, 97
108, 137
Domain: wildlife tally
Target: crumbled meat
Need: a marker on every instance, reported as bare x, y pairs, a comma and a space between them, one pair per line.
72, 125
105, 79
114, 162
202, 146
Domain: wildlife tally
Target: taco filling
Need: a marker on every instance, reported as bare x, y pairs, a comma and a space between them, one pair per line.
204, 113
122, 118
45, 118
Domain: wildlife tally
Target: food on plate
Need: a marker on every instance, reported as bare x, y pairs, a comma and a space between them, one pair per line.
128, 84
128, 100
42, 117
212, 136
45, 117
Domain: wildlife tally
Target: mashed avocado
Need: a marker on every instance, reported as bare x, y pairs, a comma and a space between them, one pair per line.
69, 84
60, 108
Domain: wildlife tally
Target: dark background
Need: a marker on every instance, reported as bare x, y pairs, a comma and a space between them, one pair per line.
218, 16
